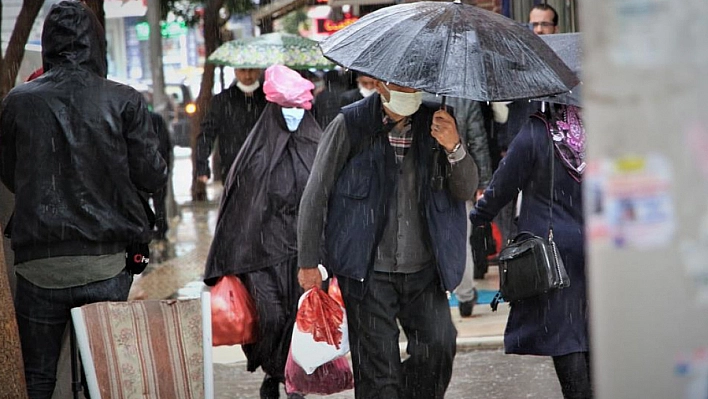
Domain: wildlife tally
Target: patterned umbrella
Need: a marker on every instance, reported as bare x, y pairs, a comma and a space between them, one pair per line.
263, 51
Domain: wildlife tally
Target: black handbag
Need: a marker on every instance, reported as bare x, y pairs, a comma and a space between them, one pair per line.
531, 265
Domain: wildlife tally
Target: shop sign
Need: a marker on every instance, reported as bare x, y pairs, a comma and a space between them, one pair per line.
169, 30
328, 26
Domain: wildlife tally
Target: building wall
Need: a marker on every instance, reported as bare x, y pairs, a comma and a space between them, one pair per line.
491, 5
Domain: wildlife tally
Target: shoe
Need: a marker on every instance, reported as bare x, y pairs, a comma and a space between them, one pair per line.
295, 396
467, 306
270, 388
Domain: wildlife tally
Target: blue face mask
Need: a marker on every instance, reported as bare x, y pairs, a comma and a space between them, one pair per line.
293, 117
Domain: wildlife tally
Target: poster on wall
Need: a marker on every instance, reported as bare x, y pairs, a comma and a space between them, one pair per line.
630, 202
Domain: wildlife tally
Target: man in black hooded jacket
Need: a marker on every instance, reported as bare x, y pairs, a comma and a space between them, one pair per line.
75, 150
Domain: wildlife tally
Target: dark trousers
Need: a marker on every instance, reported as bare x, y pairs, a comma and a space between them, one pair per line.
573, 371
275, 291
421, 307
42, 317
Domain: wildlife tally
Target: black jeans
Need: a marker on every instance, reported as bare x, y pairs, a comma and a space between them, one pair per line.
42, 317
417, 301
573, 371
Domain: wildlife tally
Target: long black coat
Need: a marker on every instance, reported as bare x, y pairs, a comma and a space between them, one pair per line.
257, 222
555, 323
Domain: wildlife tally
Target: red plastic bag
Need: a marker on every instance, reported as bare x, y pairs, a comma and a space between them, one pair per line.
335, 292
234, 319
331, 377
321, 315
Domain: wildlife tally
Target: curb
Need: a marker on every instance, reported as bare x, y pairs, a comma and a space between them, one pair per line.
480, 343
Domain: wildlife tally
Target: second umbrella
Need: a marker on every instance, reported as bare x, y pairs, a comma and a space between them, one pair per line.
263, 51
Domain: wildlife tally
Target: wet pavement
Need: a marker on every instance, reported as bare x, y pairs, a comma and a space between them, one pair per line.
176, 272
479, 374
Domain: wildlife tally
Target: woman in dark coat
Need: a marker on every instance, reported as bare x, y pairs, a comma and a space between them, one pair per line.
556, 323
255, 235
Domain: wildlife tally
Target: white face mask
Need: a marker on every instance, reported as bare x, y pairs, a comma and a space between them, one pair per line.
250, 88
293, 117
366, 92
404, 104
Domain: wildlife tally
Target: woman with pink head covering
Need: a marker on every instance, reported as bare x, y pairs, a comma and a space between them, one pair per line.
255, 235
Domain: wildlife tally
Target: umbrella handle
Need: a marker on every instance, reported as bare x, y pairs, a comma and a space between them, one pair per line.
437, 180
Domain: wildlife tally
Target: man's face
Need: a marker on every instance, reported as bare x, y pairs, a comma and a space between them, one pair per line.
366, 82
542, 22
248, 76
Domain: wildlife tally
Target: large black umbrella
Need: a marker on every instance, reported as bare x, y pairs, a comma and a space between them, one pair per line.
568, 47
451, 49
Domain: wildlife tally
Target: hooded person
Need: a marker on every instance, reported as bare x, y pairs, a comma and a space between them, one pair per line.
75, 148
256, 232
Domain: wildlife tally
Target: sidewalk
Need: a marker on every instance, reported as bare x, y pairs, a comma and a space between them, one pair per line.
180, 275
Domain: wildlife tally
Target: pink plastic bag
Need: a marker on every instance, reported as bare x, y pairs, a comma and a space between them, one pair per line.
287, 88
329, 378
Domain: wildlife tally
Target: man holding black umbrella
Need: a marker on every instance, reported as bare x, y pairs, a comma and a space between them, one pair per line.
394, 237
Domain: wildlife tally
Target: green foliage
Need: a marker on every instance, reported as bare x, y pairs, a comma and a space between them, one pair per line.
292, 21
181, 10
188, 10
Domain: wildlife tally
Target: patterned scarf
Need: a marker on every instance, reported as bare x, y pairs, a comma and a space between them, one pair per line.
400, 139
569, 141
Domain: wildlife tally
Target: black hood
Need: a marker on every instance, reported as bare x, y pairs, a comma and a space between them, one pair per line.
73, 35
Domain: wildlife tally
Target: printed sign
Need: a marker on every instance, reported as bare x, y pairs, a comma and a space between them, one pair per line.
630, 202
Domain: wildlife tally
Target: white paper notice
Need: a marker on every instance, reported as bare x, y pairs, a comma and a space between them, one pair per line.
630, 202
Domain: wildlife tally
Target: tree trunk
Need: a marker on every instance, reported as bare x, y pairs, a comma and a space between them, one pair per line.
211, 40
12, 376
16, 47
97, 7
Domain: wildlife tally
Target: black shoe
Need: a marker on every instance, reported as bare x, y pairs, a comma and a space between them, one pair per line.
270, 388
295, 396
466, 307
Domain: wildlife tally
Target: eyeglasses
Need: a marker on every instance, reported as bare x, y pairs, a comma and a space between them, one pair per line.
544, 24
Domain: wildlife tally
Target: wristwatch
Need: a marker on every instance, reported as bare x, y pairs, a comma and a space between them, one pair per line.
457, 153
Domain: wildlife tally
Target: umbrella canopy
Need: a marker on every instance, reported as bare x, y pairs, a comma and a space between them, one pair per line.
568, 47
263, 51
451, 49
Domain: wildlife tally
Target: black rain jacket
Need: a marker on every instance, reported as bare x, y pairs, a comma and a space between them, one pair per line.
75, 148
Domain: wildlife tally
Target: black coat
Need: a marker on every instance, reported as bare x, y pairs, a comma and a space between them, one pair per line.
231, 116
76, 148
257, 222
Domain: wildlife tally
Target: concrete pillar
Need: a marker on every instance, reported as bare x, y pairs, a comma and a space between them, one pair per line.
645, 70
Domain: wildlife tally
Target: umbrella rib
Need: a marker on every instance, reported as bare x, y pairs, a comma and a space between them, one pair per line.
447, 46
412, 43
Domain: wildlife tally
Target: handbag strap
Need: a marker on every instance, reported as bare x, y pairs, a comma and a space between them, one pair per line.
549, 131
